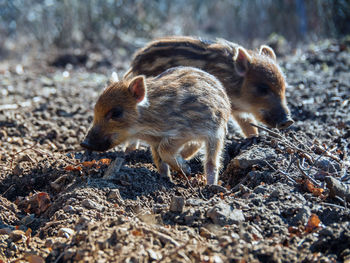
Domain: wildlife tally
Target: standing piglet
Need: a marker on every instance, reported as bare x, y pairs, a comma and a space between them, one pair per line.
253, 80
174, 112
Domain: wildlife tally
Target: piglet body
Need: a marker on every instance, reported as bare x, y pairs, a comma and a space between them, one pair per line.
175, 112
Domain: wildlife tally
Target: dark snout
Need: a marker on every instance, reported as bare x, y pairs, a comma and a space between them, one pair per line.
95, 141
278, 118
285, 123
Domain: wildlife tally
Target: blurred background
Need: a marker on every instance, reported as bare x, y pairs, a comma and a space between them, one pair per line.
125, 25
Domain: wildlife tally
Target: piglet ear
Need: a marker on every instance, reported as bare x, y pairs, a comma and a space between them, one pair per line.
242, 60
267, 51
137, 88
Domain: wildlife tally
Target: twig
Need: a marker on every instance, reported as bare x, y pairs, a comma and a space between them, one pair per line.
237, 186
307, 147
279, 137
282, 172
345, 157
163, 237
318, 158
175, 251
275, 134
306, 175
25, 149
8, 189
334, 205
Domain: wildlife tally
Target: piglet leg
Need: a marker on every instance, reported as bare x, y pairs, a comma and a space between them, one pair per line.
168, 150
214, 147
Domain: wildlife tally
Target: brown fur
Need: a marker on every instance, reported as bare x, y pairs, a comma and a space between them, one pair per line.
174, 112
252, 79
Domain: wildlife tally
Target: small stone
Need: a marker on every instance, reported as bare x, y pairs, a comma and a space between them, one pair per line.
68, 208
301, 217
194, 202
223, 240
216, 259
276, 193
327, 165
65, 232
115, 195
223, 214
177, 204
153, 255
235, 236
206, 233
48, 243
83, 220
255, 155
17, 235
87, 203
27, 220
259, 189
5, 231
327, 231
217, 188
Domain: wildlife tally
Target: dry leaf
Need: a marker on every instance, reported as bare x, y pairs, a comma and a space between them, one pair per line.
28, 232
72, 168
312, 189
44, 202
89, 163
137, 233
105, 161
313, 223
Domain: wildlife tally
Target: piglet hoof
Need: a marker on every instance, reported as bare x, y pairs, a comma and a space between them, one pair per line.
164, 170
211, 180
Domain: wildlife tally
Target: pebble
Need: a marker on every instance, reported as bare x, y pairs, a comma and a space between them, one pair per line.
302, 216
87, 203
153, 255
194, 202
225, 240
327, 165
17, 235
260, 189
68, 208
177, 204
65, 232
115, 195
217, 188
5, 231
27, 220
223, 214
253, 156
206, 233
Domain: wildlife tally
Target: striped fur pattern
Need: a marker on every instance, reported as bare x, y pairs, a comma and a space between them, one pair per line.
175, 112
252, 79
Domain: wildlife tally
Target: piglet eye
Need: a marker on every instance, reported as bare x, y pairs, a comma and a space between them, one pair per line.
262, 89
115, 113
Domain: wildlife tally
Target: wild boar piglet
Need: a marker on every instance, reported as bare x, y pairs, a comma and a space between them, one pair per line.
175, 112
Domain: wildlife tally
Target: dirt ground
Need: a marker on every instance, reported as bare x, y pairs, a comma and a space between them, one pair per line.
284, 196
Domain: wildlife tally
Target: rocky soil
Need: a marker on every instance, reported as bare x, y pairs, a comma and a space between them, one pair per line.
283, 197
